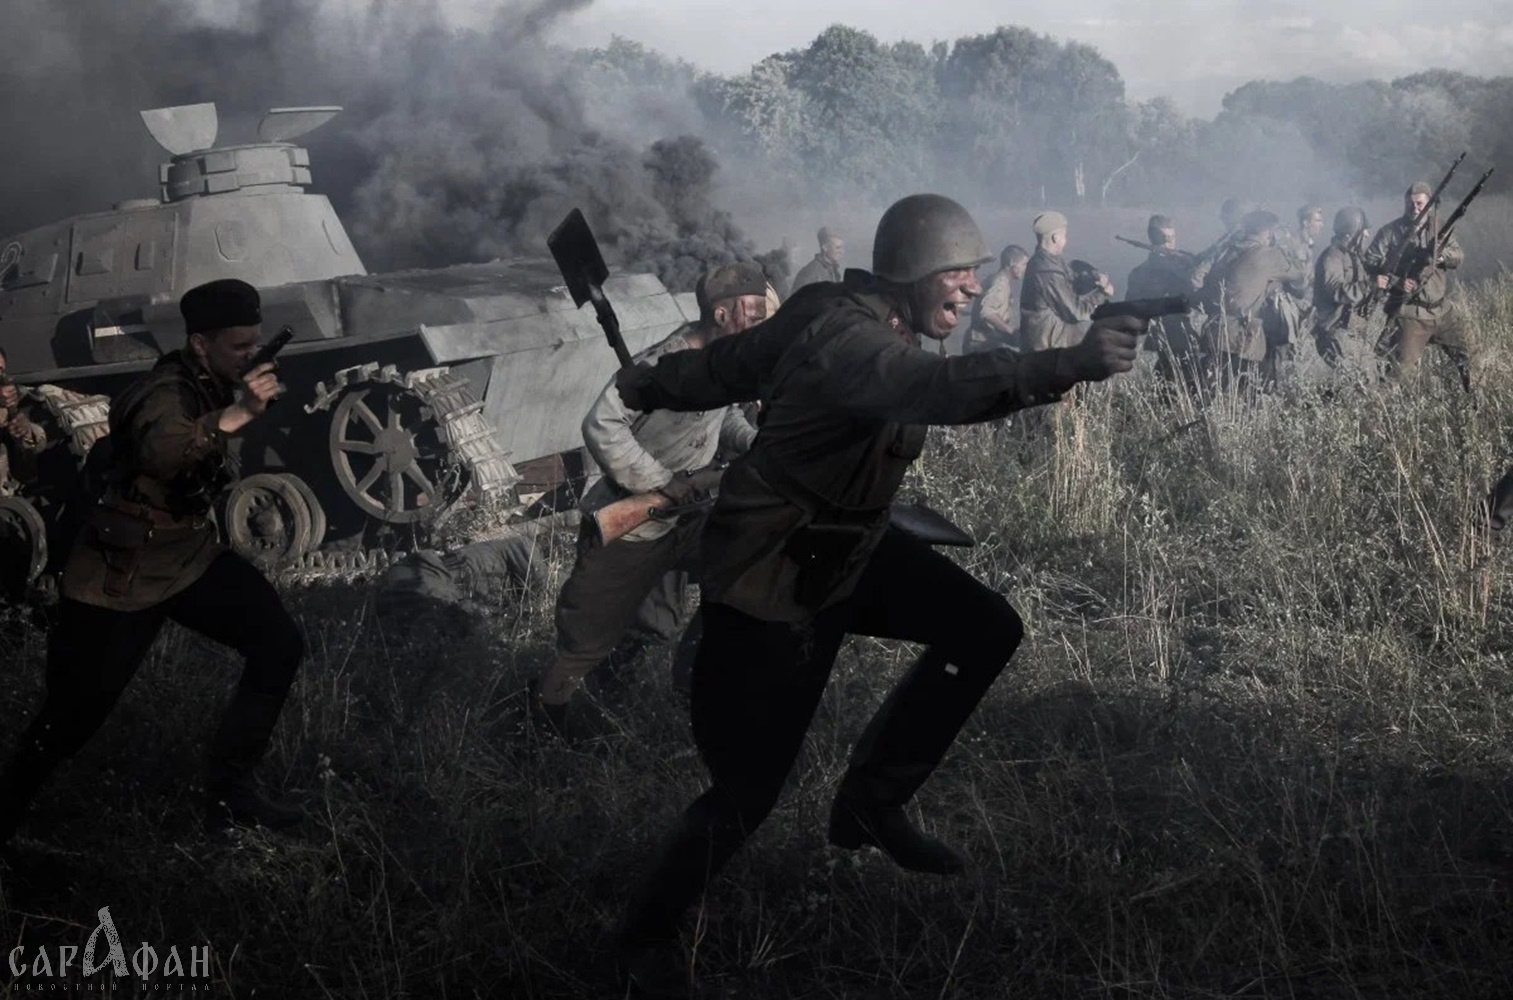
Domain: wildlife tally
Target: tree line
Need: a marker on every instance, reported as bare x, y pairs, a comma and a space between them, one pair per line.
1033, 120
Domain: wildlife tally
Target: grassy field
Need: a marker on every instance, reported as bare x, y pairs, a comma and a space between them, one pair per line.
1258, 743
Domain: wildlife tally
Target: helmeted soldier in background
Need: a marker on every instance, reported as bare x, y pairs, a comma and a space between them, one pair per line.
639, 582
1234, 292
1231, 212
995, 314
1167, 271
798, 551
1419, 311
826, 265
1052, 309
1340, 283
149, 553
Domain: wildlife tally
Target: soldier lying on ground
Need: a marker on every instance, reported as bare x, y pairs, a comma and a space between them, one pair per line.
798, 552
149, 553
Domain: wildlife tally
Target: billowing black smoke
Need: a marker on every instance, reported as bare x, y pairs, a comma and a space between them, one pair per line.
454, 144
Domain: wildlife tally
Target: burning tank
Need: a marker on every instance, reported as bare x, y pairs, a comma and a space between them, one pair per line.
406, 391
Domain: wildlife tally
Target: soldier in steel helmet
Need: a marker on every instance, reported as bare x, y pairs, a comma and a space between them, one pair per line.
1167, 271
798, 552
148, 553
1419, 312
1340, 283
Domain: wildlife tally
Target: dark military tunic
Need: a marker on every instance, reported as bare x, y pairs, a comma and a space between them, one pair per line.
152, 535
1235, 290
1429, 302
817, 270
1340, 283
1050, 308
848, 392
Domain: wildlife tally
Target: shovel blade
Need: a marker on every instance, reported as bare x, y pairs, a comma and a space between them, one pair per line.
577, 255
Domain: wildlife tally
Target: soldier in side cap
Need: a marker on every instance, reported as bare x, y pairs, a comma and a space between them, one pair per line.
149, 553
1235, 291
637, 584
1051, 308
798, 551
826, 265
1419, 311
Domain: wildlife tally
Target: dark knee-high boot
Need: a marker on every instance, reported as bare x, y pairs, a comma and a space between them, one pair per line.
239, 744
899, 749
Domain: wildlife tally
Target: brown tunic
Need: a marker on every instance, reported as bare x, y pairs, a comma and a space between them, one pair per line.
1234, 291
817, 270
152, 535
1051, 309
996, 303
847, 392
1340, 283
1430, 301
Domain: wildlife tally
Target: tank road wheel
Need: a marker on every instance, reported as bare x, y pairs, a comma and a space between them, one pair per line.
23, 536
270, 522
390, 456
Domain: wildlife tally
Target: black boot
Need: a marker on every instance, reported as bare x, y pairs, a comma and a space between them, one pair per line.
896, 753
231, 795
577, 720
856, 823
653, 969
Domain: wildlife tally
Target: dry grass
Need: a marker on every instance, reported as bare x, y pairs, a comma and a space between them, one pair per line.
1257, 745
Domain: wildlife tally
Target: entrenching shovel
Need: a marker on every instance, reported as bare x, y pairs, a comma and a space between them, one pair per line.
582, 265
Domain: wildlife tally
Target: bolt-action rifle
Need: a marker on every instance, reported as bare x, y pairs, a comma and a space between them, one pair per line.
1393, 264
1186, 255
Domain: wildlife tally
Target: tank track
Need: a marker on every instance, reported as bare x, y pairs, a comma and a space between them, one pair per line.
448, 398
338, 566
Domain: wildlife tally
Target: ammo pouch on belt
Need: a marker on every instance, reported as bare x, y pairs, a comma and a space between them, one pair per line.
122, 536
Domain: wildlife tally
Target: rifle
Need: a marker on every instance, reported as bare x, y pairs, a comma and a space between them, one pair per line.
1393, 264
1448, 228
1151, 248
614, 520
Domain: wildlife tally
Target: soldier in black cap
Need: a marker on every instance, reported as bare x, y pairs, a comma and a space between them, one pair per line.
148, 553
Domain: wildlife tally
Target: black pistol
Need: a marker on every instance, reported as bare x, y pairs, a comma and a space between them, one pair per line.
269, 351
1147, 309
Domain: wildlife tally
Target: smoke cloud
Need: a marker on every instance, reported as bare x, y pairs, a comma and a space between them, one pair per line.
454, 145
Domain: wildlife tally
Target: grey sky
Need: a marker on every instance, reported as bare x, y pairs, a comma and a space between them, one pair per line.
1193, 52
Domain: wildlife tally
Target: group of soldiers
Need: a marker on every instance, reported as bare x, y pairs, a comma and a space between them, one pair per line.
803, 419
1260, 290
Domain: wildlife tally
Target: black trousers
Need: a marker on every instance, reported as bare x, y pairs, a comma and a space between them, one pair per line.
94, 652
756, 685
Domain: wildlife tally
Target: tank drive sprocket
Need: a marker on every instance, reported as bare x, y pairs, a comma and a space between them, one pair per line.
405, 445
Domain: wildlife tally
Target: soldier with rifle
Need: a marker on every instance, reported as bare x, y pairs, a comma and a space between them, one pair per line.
1230, 214
1410, 260
1168, 271
798, 552
1285, 312
1340, 283
148, 553
627, 577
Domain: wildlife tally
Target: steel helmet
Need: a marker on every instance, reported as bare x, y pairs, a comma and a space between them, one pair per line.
923, 234
1349, 220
